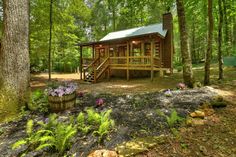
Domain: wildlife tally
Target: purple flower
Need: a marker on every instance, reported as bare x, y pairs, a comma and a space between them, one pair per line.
168, 93
63, 89
99, 102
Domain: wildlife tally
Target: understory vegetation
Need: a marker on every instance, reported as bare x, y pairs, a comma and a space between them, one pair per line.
56, 135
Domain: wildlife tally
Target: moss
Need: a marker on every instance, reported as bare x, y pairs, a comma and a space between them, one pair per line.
218, 99
8, 105
218, 104
139, 145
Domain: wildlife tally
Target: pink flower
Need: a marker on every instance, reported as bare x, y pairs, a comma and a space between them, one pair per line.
181, 86
99, 102
80, 94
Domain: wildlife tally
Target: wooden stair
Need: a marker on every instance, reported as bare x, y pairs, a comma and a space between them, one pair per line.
96, 71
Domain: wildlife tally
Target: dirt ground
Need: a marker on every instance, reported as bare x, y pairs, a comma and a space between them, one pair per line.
112, 86
217, 138
214, 139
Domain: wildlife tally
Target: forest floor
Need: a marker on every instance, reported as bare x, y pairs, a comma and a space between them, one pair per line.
216, 137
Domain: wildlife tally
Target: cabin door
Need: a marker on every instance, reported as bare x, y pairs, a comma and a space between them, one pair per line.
121, 51
102, 54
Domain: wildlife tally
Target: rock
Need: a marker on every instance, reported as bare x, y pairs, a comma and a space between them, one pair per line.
103, 153
195, 122
209, 111
203, 150
197, 114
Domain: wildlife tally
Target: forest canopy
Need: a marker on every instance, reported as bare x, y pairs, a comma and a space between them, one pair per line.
75, 21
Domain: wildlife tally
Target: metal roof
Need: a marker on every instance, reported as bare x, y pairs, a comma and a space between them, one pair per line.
150, 29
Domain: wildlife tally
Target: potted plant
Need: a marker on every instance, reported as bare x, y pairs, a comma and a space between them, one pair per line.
61, 96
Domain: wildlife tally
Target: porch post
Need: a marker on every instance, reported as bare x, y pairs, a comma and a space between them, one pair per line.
142, 51
93, 52
127, 61
152, 53
81, 62
142, 48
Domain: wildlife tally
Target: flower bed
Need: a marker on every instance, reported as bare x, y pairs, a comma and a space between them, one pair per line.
62, 97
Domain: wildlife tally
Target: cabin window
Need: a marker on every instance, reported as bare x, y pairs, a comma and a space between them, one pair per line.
137, 49
102, 52
111, 51
147, 49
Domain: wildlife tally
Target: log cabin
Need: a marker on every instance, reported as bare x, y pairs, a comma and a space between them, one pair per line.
136, 52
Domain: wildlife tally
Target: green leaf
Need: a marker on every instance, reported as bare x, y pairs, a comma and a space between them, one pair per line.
45, 145
19, 143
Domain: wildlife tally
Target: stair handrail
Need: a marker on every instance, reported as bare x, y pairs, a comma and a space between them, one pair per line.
91, 64
102, 63
100, 67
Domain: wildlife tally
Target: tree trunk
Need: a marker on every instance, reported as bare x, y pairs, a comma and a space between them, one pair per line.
114, 19
50, 43
186, 57
14, 55
209, 44
193, 47
220, 60
226, 30
234, 28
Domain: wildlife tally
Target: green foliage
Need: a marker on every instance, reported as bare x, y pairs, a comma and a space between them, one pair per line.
51, 134
58, 139
31, 139
104, 129
93, 117
106, 124
81, 124
172, 119
29, 127
52, 122
38, 101
19, 143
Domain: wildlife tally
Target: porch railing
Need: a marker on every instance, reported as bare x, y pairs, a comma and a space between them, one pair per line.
87, 61
97, 67
135, 61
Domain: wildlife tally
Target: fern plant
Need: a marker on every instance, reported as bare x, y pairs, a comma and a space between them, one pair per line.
93, 117
81, 124
105, 126
172, 119
50, 123
31, 138
60, 139
52, 134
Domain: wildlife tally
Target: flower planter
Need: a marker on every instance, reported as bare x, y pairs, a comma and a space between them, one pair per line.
62, 103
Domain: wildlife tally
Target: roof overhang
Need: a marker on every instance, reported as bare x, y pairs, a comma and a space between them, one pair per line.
117, 40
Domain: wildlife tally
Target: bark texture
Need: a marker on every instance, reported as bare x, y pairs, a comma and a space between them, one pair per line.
50, 43
14, 54
186, 56
209, 44
220, 59
226, 28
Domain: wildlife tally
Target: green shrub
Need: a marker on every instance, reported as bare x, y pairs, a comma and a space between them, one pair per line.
59, 139
51, 134
38, 101
93, 117
106, 124
172, 119
81, 124
31, 139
